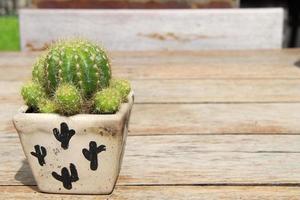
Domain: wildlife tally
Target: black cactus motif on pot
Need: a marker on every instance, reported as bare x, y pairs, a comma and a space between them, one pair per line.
66, 177
64, 135
92, 154
40, 153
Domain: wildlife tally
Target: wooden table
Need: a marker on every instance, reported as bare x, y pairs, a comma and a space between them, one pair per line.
206, 125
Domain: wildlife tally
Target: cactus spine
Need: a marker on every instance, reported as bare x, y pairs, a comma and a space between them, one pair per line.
67, 78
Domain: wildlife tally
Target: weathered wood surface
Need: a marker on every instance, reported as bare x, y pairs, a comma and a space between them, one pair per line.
187, 160
192, 91
208, 118
156, 29
271, 64
220, 125
165, 193
262, 83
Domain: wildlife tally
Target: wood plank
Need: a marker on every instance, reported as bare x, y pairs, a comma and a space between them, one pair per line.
156, 119
165, 193
195, 91
277, 118
186, 160
216, 91
156, 29
178, 64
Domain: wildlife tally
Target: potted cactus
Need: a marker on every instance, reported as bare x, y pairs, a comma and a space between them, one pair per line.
74, 125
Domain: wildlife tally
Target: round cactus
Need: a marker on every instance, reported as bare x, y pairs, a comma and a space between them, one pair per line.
107, 101
72, 75
32, 93
123, 86
47, 106
38, 71
75, 61
68, 99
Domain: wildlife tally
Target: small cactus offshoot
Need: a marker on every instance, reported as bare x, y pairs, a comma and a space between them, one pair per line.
32, 94
47, 106
123, 86
107, 101
74, 76
68, 99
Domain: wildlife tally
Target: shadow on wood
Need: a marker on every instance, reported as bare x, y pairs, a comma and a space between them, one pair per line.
25, 176
297, 64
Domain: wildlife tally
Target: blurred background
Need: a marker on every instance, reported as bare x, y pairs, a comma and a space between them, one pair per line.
9, 9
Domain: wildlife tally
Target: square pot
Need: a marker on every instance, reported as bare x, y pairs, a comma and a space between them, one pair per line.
80, 154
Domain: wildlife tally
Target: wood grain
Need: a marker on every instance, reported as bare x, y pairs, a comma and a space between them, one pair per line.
164, 193
168, 119
196, 91
220, 125
155, 29
186, 160
216, 91
277, 118
279, 64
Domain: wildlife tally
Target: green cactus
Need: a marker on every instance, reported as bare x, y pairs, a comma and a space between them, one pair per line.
107, 101
68, 99
47, 106
78, 62
123, 86
74, 76
32, 93
38, 72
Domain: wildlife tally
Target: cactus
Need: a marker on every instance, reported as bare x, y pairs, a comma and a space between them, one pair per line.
32, 93
64, 135
40, 153
47, 106
68, 99
38, 72
92, 154
78, 62
123, 86
66, 177
107, 101
67, 78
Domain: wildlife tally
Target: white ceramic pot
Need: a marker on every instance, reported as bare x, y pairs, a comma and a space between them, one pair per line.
80, 154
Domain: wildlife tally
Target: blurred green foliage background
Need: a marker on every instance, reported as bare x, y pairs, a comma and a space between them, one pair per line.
9, 33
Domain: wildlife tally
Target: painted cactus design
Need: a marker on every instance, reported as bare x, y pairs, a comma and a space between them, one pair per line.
92, 154
40, 153
66, 177
64, 135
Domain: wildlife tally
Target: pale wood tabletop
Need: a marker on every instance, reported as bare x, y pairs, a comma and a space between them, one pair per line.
205, 125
